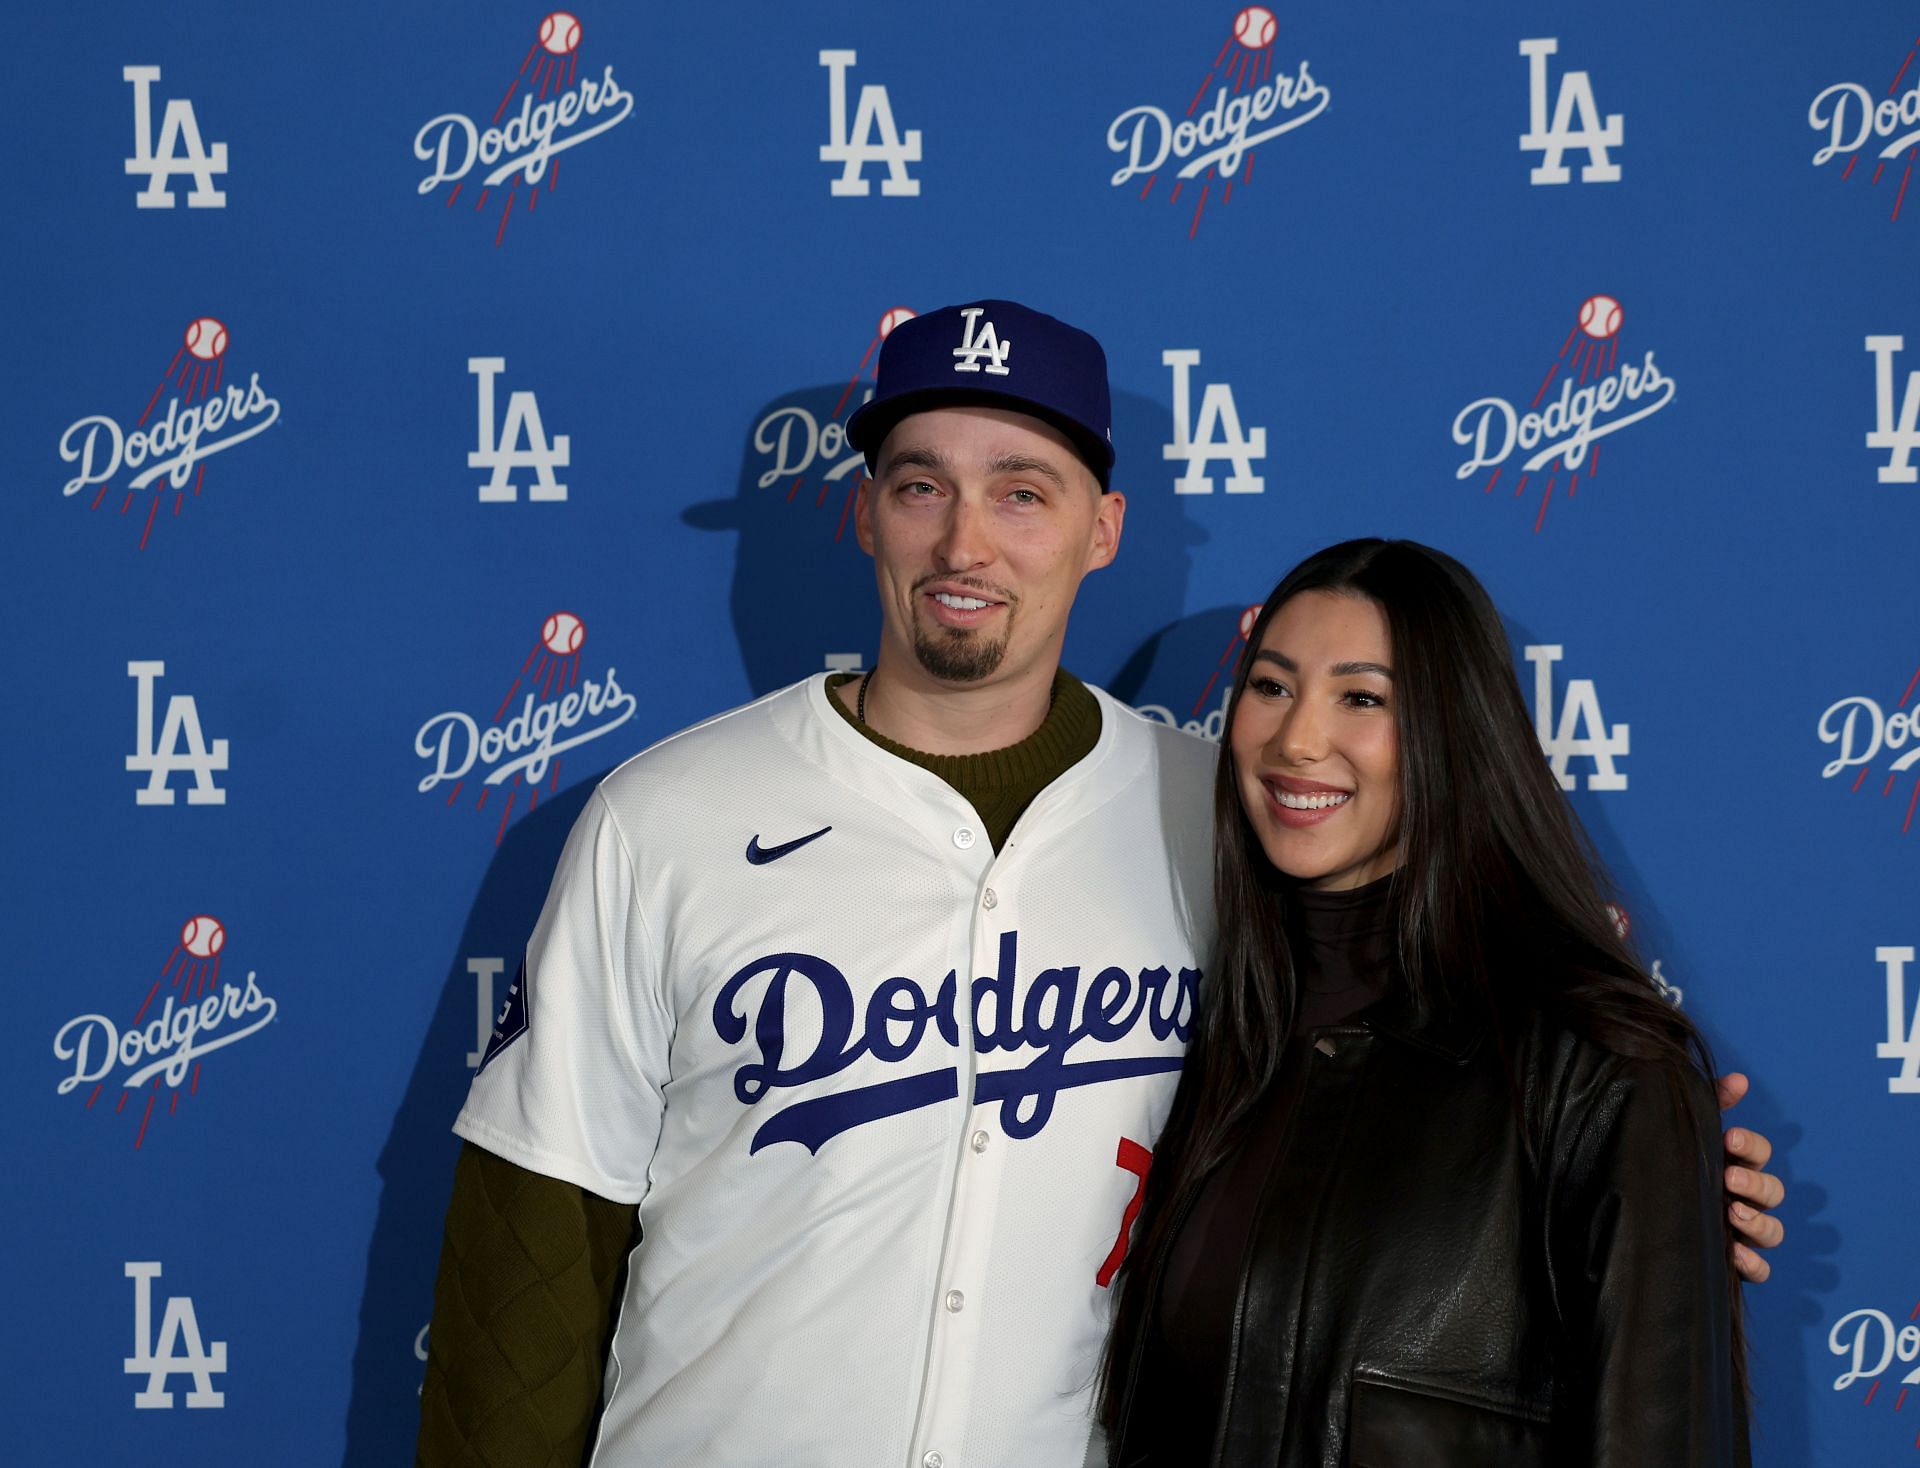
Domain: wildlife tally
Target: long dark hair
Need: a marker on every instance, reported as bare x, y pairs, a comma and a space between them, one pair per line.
1489, 845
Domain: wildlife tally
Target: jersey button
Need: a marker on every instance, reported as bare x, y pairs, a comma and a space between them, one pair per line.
956, 1302
931, 1459
964, 838
979, 1141
990, 901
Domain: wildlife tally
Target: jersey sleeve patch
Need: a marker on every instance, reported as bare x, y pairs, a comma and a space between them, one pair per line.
511, 1023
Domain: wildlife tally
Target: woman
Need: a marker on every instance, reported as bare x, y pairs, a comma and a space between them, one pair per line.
1441, 1181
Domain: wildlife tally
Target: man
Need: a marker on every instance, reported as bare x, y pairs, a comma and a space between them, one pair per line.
861, 1004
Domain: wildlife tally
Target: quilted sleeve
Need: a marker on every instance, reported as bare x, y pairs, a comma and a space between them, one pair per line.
529, 1269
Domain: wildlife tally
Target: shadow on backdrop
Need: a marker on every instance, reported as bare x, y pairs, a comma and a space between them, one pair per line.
802, 590
416, 1164
1782, 1429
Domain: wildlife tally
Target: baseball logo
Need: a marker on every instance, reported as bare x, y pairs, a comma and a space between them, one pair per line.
1247, 619
892, 319
1600, 317
1254, 27
203, 936
1622, 920
559, 33
206, 338
563, 634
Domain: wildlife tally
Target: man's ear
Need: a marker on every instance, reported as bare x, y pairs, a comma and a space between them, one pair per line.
863, 514
1108, 520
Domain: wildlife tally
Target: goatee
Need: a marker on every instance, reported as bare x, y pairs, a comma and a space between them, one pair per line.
958, 656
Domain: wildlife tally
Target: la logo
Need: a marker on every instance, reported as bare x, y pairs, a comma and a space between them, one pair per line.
855, 152
177, 1350
181, 747
976, 342
1903, 437
178, 151
1581, 733
484, 971
507, 453
1575, 102
1217, 434
1903, 1036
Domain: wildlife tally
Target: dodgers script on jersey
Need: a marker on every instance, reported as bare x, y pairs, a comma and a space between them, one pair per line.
881, 1095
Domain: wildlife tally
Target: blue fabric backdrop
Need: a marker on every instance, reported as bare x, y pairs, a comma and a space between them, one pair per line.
246, 246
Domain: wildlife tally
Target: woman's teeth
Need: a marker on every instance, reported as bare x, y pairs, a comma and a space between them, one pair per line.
1310, 802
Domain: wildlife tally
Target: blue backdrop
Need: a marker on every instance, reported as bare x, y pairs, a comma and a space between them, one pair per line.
299, 292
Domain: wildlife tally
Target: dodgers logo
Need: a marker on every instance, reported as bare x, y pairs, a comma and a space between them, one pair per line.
1217, 135
1599, 396
205, 415
558, 711
1859, 122
1861, 731
161, 1050
558, 110
1041, 1026
795, 443
1208, 723
1662, 985
1878, 1347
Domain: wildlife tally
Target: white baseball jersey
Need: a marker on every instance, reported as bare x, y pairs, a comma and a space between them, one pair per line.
882, 1096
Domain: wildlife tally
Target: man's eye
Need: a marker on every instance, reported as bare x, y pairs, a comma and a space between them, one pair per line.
1024, 497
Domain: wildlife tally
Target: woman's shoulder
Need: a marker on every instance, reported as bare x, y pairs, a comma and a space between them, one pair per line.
1580, 1079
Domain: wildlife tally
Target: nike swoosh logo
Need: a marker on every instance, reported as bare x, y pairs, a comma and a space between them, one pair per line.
760, 855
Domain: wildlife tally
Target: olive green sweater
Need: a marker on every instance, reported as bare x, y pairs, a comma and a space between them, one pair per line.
530, 1266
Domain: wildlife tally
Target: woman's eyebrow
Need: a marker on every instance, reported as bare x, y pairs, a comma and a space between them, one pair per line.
1338, 670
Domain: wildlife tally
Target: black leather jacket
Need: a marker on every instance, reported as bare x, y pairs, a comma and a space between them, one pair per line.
1417, 1294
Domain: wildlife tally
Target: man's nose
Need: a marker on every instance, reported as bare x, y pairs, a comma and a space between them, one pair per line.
965, 542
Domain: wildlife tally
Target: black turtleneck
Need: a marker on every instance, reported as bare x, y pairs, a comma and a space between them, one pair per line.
1342, 946
1342, 951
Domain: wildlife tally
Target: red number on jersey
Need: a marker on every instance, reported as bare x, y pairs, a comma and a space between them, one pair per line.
1135, 1159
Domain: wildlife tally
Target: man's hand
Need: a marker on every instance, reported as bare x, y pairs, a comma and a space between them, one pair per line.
1754, 1191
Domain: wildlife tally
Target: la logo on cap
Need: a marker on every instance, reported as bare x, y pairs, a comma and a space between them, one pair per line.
977, 341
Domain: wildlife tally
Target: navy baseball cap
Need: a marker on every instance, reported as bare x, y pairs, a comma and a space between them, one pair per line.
998, 354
